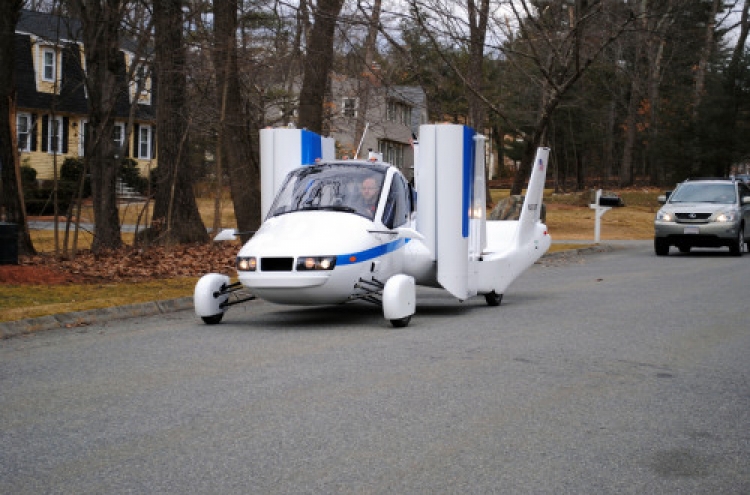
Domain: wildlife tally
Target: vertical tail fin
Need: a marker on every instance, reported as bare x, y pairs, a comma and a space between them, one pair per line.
532, 205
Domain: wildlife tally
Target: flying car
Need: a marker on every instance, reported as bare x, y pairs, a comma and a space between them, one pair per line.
337, 231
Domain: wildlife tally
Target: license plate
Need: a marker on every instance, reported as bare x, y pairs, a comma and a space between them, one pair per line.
691, 230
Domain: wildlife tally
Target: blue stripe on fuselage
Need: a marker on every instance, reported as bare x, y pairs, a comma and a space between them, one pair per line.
368, 254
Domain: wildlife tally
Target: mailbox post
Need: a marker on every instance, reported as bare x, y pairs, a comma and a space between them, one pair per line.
599, 210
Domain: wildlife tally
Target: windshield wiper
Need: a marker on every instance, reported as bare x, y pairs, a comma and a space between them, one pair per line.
330, 208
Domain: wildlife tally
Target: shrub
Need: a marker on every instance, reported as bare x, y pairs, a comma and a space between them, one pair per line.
28, 177
71, 171
131, 175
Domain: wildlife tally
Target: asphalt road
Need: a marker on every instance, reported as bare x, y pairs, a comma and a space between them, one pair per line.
616, 372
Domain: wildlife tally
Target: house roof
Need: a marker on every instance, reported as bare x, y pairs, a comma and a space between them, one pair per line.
58, 28
49, 26
66, 33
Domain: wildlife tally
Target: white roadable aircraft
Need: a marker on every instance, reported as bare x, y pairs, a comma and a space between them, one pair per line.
343, 230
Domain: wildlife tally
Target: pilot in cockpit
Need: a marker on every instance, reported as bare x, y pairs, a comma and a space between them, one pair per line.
369, 194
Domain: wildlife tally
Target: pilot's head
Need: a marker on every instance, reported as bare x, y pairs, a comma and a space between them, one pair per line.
369, 190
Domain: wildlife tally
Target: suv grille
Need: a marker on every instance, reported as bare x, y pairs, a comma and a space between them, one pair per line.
276, 264
692, 217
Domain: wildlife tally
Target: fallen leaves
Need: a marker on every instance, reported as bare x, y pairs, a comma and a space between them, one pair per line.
124, 265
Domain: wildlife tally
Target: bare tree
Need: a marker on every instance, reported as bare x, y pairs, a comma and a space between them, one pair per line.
317, 65
11, 194
561, 53
176, 217
100, 20
234, 144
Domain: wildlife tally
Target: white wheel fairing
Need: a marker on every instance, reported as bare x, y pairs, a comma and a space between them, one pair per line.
399, 297
203, 298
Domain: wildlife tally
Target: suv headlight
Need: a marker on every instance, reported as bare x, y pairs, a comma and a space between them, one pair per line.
727, 216
315, 263
664, 216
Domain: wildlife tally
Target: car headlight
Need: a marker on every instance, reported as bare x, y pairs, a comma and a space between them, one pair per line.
247, 263
315, 263
664, 216
726, 216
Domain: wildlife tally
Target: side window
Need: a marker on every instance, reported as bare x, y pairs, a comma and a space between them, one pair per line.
398, 205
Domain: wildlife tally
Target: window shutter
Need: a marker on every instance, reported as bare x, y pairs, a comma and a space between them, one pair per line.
126, 142
65, 122
33, 132
136, 141
153, 142
45, 132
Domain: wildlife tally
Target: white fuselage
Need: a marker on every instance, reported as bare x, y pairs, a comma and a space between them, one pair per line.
362, 249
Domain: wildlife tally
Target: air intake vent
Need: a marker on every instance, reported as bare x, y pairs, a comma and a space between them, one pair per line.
276, 264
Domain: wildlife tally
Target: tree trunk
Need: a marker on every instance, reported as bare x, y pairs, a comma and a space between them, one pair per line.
475, 76
317, 64
235, 145
176, 217
11, 195
101, 37
369, 78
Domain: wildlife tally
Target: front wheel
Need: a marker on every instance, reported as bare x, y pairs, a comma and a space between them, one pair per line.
661, 247
739, 244
401, 322
213, 319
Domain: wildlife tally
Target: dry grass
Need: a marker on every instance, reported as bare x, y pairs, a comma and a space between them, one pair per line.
26, 301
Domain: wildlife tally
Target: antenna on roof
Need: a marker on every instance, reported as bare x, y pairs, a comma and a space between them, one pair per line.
362, 140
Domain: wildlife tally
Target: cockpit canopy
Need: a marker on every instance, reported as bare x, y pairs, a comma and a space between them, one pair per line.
344, 186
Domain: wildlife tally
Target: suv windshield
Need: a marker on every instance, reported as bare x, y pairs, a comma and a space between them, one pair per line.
704, 193
349, 187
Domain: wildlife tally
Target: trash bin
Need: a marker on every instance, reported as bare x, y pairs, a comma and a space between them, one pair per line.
8, 243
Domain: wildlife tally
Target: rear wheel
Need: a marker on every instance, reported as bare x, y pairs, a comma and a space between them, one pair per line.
661, 247
739, 244
493, 298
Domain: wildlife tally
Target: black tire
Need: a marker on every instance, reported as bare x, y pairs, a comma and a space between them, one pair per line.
401, 322
493, 298
739, 244
661, 247
213, 319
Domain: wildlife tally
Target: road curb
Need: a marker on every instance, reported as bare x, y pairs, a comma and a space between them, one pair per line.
76, 319
10, 329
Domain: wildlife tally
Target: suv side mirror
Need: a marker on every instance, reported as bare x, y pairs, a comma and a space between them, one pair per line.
744, 200
662, 198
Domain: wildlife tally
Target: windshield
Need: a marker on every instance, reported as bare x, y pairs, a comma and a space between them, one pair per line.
704, 193
349, 187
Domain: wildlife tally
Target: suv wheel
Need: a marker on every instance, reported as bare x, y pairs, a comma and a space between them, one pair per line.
739, 244
661, 247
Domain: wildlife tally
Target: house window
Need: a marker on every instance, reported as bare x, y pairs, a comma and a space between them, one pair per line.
144, 142
118, 136
398, 112
141, 81
349, 107
23, 131
54, 134
49, 64
392, 151
83, 137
